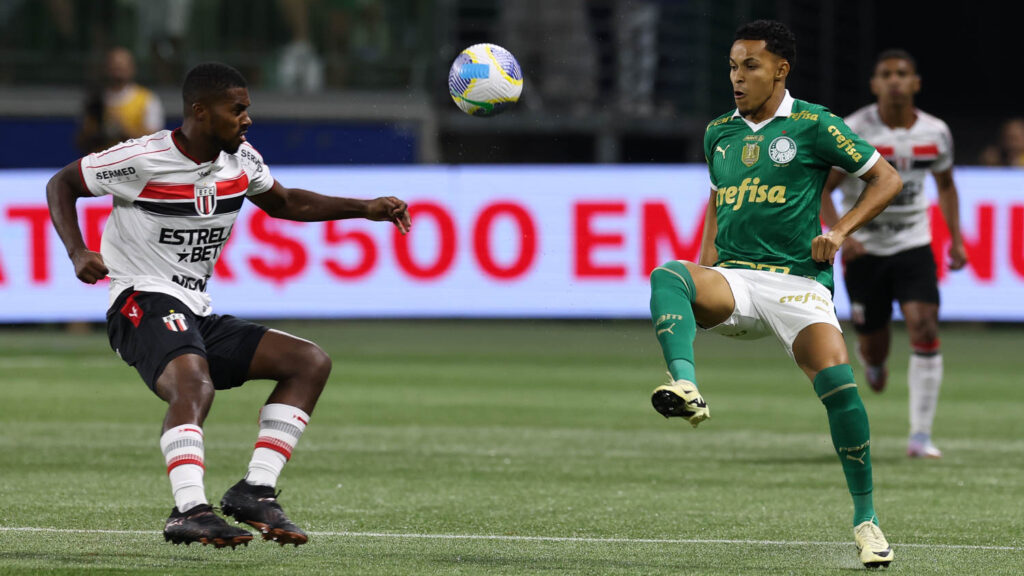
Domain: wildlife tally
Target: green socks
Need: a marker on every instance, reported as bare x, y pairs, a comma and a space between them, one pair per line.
672, 295
848, 422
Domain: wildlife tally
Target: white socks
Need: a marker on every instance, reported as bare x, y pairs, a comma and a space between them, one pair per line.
281, 426
924, 377
183, 451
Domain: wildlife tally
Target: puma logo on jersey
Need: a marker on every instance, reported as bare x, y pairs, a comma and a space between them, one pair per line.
722, 150
669, 329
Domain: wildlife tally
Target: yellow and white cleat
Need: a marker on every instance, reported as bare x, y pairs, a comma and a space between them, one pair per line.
873, 547
681, 398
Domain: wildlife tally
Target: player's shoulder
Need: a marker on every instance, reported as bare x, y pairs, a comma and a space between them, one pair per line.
804, 110
863, 116
931, 122
249, 157
722, 120
137, 150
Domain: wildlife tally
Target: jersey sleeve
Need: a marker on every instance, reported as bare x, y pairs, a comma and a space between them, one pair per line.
258, 172
121, 171
840, 146
945, 160
709, 140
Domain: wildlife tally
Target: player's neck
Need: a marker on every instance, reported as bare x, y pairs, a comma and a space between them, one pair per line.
769, 108
898, 115
193, 146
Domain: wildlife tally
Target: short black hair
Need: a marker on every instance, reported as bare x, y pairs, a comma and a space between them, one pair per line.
207, 79
777, 38
896, 54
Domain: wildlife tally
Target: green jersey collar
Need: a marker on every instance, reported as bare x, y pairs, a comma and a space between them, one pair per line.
784, 110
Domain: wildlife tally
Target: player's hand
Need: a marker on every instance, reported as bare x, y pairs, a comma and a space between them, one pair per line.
825, 246
852, 249
957, 256
89, 266
391, 209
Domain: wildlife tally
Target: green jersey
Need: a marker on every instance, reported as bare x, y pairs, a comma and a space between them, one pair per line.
769, 179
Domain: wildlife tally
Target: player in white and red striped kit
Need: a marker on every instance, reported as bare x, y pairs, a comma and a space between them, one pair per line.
890, 258
176, 196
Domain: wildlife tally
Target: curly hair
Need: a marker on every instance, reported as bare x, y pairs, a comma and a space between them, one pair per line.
205, 80
777, 38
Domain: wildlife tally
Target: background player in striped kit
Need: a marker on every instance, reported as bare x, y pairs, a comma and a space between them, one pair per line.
176, 196
890, 258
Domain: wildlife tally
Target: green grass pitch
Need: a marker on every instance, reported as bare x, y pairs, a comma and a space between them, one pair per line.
500, 447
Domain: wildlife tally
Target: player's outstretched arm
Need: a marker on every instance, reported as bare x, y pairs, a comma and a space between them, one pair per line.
62, 192
949, 203
305, 206
883, 184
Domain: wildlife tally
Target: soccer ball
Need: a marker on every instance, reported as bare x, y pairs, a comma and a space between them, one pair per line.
485, 80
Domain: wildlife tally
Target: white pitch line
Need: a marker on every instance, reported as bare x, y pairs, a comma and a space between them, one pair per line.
576, 539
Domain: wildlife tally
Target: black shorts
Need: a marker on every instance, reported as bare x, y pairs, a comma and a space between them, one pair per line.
149, 329
873, 282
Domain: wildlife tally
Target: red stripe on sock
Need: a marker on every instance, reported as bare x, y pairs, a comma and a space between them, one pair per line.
929, 347
275, 445
182, 460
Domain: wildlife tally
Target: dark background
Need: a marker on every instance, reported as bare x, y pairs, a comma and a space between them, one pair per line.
967, 55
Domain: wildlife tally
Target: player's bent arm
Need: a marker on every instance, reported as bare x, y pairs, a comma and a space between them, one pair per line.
829, 214
306, 206
62, 192
949, 203
708, 252
883, 184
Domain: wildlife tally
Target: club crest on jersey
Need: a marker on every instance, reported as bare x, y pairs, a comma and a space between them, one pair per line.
782, 150
206, 199
175, 322
751, 153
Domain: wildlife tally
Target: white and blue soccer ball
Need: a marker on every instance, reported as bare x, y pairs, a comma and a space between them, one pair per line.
485, 80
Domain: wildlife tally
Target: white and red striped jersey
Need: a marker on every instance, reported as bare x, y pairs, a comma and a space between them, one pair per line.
926, 147
172, 215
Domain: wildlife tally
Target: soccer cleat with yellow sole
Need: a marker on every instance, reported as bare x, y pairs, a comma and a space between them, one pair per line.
681, 399
874, 550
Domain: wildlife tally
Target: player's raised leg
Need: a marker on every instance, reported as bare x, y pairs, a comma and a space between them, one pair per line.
301, 370
820, 352
684, 294
924, 375
186, 386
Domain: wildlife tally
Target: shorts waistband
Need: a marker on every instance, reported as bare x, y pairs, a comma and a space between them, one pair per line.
742, 265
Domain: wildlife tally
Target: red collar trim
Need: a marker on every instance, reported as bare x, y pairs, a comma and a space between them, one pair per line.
174, 138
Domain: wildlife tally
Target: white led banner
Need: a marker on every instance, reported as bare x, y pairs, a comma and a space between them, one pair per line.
496, 241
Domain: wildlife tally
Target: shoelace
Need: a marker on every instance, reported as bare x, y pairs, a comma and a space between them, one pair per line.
873, 537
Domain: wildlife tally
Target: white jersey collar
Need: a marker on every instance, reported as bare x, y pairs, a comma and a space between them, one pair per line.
784, 110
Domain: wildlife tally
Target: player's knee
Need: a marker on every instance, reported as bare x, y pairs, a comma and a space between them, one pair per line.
315, 363
193, 392
672, 274
923, 331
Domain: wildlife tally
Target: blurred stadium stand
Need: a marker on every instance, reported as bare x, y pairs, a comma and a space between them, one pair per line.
372, 90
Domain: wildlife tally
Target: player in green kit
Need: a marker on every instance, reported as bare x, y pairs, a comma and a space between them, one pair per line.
765, 266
